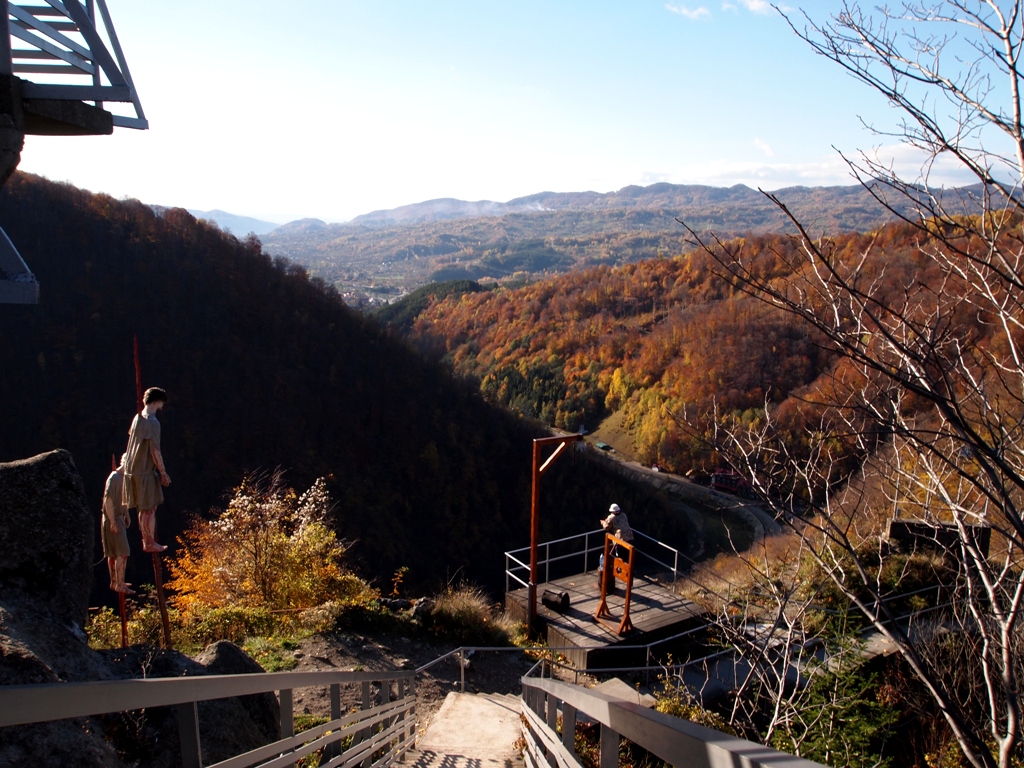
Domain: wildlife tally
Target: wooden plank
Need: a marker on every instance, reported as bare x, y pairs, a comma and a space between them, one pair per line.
340, 729
548, 740
21, 704
655, 610
676, 741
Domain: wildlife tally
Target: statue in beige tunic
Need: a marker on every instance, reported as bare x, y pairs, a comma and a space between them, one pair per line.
144, 468
114, 530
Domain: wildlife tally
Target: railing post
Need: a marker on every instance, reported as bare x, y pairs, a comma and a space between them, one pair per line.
188, 735
334, 748
399, 695
365, 733
569, 727
409, 690
462, 670
609, 748
287, 714
552, 712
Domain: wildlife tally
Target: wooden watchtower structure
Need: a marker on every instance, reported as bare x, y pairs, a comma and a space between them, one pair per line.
61, 67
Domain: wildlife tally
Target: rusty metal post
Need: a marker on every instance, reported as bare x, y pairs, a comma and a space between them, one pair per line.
534, 532
124, 620
158, 573
538, 470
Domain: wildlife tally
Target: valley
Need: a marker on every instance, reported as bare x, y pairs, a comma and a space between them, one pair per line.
379, 257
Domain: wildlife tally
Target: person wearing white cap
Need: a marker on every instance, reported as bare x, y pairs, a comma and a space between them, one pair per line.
617, 525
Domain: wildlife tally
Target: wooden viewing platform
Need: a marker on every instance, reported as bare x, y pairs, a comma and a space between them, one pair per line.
656, 611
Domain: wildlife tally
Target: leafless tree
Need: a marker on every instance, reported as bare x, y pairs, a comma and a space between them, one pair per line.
930, 379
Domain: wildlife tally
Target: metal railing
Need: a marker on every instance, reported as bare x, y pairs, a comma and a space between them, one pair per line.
674, 740
586, 552
380, 732
384, 728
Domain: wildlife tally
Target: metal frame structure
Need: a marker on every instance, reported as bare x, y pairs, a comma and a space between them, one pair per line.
60, 65
68, 41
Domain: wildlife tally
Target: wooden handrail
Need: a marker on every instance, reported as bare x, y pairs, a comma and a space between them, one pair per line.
22, 704
677, 741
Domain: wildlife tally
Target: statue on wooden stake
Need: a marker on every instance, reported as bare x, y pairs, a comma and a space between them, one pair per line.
114, 530
144, 468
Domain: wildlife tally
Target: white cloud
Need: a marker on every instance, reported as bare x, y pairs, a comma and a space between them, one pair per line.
828, 170
764, 7
764, 147
700, 12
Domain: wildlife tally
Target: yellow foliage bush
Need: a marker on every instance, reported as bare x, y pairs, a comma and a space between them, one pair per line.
270, 549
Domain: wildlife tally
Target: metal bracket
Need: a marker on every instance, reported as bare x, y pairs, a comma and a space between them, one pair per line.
17, 283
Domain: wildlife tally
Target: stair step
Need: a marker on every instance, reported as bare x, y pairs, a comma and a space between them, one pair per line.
477, 730
415, 758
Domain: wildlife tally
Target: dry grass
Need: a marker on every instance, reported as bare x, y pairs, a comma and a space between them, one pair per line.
726, 577
466, 615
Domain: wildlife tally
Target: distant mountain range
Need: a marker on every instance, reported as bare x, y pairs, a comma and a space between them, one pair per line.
678, 197
398, 250
240, 226
388, 252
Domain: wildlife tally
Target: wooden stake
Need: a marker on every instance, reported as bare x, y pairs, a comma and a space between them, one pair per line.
124, 620
158, 573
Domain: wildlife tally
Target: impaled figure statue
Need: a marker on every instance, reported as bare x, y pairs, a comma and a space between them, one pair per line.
144, 468
114, 530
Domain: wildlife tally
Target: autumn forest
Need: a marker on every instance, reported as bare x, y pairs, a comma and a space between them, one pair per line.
653, 341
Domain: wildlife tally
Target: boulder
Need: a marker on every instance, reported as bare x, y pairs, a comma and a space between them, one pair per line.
226, 658
46, 532
46, 535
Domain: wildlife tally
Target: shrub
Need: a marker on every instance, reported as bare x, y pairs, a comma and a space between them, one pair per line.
270, 549
144, 625
675, 699
466, 616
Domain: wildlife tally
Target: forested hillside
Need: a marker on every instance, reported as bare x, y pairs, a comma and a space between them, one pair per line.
654, 340
265, 367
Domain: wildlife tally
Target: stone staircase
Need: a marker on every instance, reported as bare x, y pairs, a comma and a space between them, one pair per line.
471, 731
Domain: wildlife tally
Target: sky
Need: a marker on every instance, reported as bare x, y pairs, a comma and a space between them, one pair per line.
330, 108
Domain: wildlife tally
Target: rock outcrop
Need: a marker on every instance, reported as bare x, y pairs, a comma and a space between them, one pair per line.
47, 537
